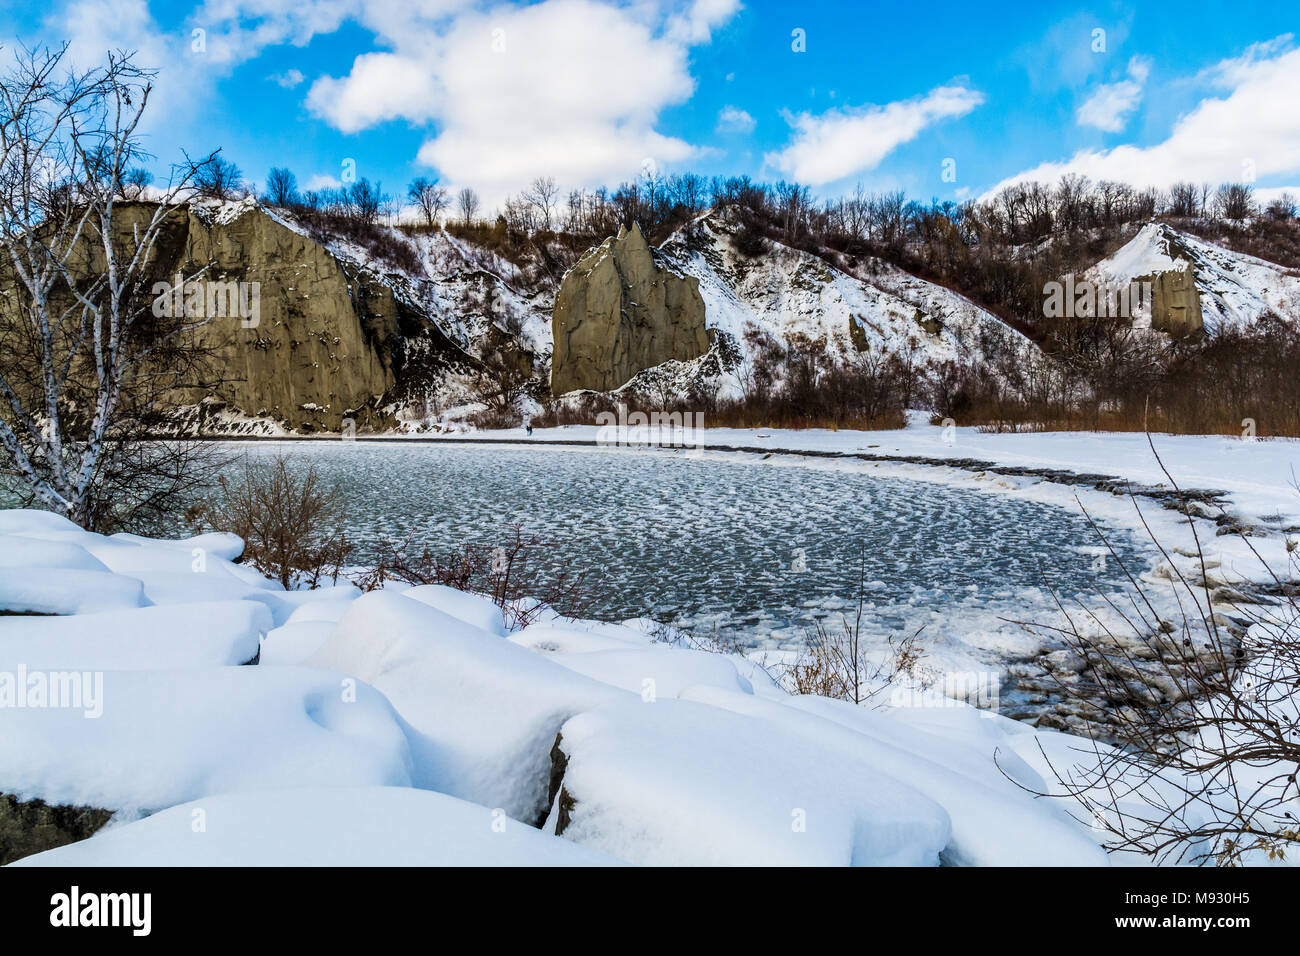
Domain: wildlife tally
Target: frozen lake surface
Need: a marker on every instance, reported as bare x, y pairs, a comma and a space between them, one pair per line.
753, 551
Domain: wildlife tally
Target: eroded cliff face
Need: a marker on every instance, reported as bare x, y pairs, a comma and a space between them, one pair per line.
311, 343
621, 310
292, 333
1175, 302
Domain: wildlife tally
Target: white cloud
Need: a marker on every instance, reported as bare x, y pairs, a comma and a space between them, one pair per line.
1265, 196
1111, 105
573, 88
566, 88
701, 18
381, 86
840, 142
733, 120
239, 30
1231, 72
288, 79
91, 28
321, 181
1252, 131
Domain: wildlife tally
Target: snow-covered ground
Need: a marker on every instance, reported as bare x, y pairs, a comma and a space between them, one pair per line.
452, 740
411, 728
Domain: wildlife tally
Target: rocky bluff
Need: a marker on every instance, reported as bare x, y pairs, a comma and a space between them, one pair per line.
620, 310
325, 339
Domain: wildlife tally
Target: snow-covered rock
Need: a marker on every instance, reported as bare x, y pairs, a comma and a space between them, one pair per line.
678, 782
172, 637
29, 521
660, 671
344, 826
789, 295
327, 612
470, 608
574, 638
66, 591
985, 791
19, 551
145, 740
295, 642
1235, 289
219, 544
481, 713
618, 739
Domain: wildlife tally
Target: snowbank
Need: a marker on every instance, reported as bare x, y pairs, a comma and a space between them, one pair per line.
295, 642
165, 737
17, 551
178, 636
347, 826
406, 727
67, 591
984, 789
676, 782
481, 713
470, 608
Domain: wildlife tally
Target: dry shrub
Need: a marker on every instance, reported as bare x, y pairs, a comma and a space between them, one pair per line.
837, 663
520, 575
1208, 712
291, 522
1106, 378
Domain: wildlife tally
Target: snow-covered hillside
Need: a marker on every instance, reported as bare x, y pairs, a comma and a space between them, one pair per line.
462, 288
486, 305
1235, 289
785, 296
794, 297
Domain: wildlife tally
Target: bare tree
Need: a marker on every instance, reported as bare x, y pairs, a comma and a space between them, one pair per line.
1184, 200
431, 198
688, 192
136, 182
540, 197
281, 187
364, 200
86, 357
467, 202
1282, 207
1234, 201
218, 178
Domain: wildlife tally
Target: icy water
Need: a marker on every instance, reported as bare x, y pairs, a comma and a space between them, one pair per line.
755, 551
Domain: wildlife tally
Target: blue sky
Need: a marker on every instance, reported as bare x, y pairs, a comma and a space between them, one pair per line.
941, 99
